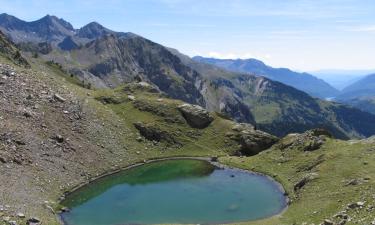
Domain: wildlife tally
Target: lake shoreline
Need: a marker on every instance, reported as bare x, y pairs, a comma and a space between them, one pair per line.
212, 160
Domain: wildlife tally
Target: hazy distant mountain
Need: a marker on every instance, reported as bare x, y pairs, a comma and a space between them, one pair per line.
302, 81
341, 78
104, 58
360, 94
362, 88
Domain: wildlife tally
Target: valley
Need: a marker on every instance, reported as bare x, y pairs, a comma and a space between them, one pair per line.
78, 105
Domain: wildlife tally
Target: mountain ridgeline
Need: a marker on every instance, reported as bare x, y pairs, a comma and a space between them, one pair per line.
363, 88
302, 81
107, 59
360, 94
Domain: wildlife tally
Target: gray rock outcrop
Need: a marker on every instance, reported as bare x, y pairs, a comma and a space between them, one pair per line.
195, 115
251, 141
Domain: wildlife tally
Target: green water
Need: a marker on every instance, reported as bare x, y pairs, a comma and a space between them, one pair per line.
174, 191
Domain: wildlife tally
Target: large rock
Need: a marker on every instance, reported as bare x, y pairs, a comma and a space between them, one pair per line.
154, 133
195, 115
251, 141
33, 221
308, 141
305, 180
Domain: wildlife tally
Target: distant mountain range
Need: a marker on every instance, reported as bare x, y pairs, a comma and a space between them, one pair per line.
104, 58
362, 88
302, 81
360, 94
341, 78
52, 30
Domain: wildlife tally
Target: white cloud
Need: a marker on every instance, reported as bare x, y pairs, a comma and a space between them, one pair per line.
367, 28
232, 55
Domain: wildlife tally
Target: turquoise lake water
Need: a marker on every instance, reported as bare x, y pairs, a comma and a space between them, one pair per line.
175, 191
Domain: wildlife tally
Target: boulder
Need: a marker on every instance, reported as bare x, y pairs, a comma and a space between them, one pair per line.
20, 215
312, 144
243, 127
251, 141
59, 98
320, 132
131, 97
195, 115
308, 141
305, 180
154, 133
254, 142
33, 221
327, 222
59, 138
356, 205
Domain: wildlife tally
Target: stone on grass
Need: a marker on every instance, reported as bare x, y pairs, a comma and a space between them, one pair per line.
195, 116
20, 215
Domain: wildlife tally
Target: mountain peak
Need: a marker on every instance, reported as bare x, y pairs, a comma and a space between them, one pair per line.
94, 24
54, 20
48, 17
93, 30
9, 21
5, 15
252, 61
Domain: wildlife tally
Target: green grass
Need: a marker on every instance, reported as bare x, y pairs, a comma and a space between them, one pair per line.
195, 142
326, 195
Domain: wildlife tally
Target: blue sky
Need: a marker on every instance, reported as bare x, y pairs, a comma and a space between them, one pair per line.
299, 34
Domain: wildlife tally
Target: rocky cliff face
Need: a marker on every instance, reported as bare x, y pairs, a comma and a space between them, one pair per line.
117, 60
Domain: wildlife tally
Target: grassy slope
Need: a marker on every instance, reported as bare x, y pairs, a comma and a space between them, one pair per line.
326, 195
320, 199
